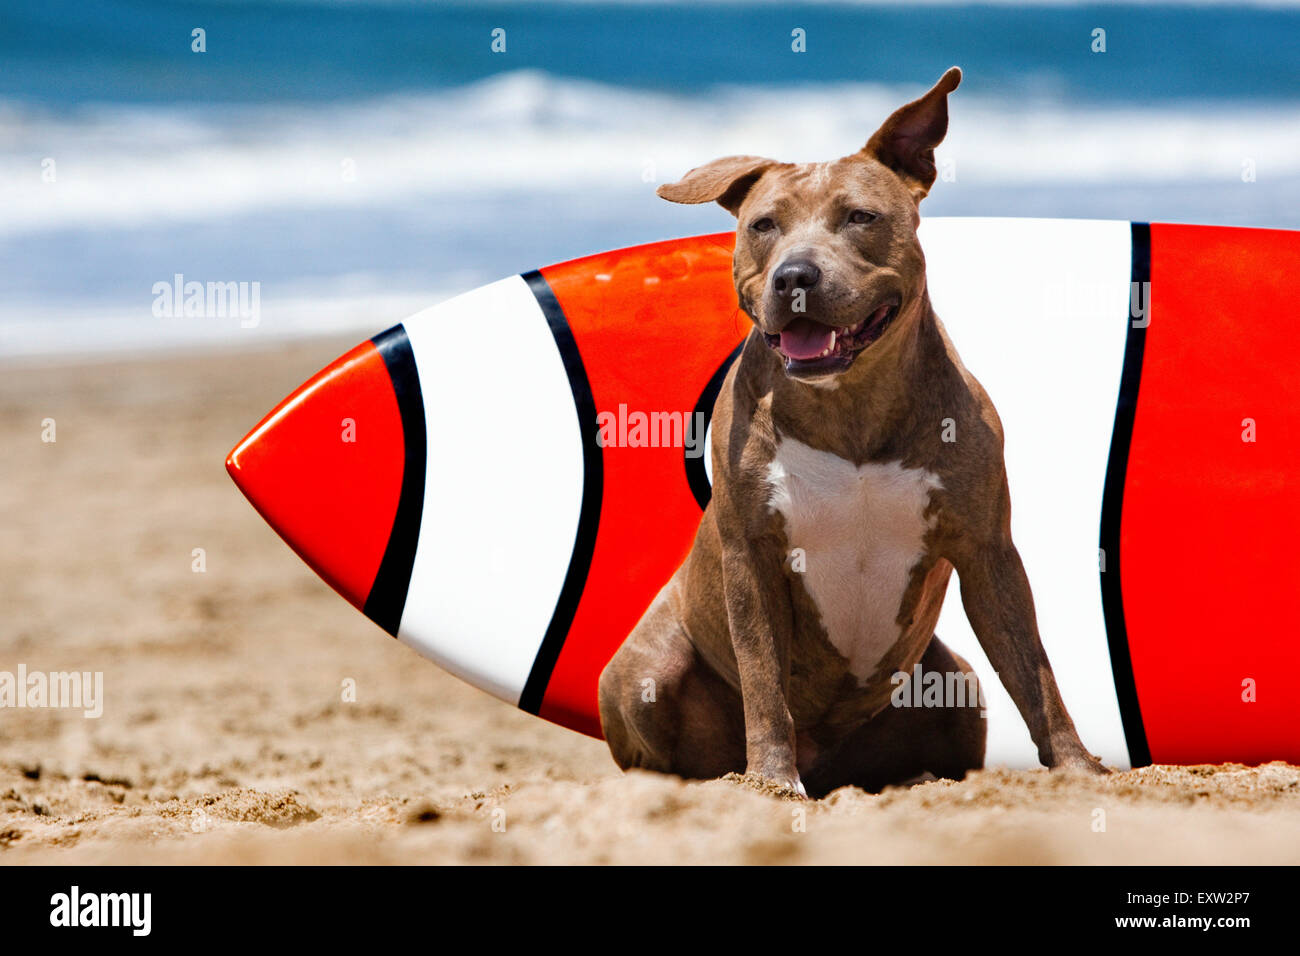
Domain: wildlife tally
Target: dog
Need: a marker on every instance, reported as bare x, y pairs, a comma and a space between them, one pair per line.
856, 464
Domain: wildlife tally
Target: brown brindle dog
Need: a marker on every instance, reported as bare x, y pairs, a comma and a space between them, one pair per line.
856, 463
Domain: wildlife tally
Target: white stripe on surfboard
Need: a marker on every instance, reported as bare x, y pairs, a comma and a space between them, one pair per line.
503, 487
1035, 308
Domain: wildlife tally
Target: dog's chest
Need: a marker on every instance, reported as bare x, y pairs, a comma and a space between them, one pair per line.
860, 531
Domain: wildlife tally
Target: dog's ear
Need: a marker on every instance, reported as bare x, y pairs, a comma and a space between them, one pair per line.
906, 141
726, 180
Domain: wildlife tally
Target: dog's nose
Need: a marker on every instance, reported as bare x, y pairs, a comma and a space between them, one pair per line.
795, 274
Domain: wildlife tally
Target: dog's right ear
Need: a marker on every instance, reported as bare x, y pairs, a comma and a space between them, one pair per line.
725, 180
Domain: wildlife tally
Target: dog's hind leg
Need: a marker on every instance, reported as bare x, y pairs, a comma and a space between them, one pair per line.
662, 708
902, 743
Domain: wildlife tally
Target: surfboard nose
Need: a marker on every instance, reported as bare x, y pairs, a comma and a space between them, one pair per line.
324, 468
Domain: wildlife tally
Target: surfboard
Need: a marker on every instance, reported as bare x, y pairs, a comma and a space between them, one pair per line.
511, 517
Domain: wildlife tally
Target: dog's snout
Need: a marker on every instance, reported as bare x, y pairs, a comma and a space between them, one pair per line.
795, 274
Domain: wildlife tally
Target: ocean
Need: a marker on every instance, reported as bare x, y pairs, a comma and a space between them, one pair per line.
358, 161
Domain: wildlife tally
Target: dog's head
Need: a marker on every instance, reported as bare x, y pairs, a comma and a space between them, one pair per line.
826, 253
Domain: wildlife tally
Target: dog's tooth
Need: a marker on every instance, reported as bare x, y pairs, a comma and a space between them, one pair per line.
832, 345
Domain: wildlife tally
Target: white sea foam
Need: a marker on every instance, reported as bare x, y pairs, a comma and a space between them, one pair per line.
122, 166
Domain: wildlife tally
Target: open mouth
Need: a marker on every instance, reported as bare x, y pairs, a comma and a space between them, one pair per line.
812, 348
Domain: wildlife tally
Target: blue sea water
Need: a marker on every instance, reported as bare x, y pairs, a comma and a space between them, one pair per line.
360, 159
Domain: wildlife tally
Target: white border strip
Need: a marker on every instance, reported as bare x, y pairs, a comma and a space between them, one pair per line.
503, 489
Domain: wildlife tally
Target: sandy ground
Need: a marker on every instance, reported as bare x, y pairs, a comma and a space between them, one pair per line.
225, 738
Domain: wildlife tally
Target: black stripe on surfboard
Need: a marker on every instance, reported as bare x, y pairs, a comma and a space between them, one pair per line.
696, 475
387, 598
593, 485
1112, 503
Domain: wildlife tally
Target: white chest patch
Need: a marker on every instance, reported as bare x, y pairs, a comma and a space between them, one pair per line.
861, 530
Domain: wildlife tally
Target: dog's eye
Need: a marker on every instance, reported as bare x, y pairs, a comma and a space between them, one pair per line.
860, 217
763, 225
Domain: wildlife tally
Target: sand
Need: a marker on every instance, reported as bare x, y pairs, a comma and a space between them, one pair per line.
225, 737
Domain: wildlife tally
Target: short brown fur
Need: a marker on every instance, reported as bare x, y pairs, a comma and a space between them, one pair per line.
745, 678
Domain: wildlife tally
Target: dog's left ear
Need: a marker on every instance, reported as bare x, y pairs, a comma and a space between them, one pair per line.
906, 141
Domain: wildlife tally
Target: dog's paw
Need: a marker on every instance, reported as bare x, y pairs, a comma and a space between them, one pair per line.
782, 785
1083, 763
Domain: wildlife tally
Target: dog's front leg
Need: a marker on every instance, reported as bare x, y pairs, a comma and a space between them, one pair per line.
760, 618
1000, 607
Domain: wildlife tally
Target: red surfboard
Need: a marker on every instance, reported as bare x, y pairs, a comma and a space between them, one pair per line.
513, 522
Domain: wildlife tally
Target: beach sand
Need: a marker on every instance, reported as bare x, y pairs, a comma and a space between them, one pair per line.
225, 738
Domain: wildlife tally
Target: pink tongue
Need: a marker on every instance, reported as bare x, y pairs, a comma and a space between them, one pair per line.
805, 339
